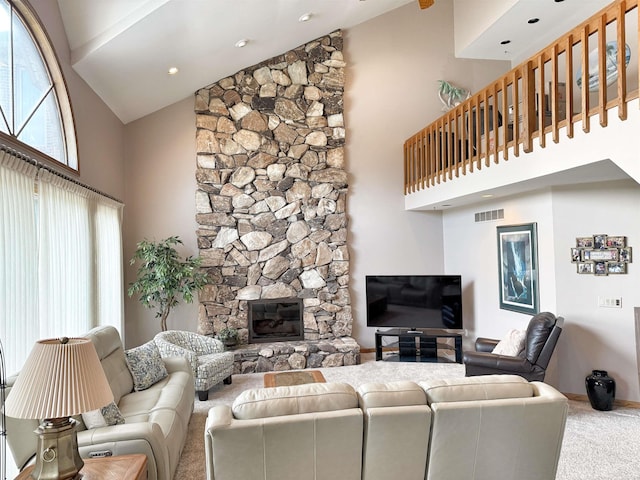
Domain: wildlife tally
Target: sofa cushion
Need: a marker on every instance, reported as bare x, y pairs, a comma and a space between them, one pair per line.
391, 394
146, 365
484, 387
108, 345
278, 401
108, 415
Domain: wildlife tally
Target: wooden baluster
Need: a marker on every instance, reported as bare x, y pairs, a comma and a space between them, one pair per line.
407, 167
439, 150
516, 112
541, 108
485, 116
569, 85
584, 40
468, 147
420, 161
505, 121
622, 65
449, 145
476, 134
553, 94
496, 129
528, 106
463, 137
435, 149
456, 142
435, 160
602, 71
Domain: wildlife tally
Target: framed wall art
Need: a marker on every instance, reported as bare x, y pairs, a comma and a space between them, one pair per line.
518, 267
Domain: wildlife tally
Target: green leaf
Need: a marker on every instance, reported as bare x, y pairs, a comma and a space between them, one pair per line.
162, 276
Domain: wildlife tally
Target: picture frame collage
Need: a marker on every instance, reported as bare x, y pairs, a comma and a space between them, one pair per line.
601, 255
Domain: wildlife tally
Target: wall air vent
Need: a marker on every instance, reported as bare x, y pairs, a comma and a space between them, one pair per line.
489, 215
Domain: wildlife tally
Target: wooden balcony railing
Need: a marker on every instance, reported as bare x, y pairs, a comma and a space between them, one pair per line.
540, 96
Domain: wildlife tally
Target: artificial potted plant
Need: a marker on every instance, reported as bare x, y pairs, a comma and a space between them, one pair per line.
228, 336
163, 277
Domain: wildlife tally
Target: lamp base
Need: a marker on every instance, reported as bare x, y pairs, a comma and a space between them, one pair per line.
57, 455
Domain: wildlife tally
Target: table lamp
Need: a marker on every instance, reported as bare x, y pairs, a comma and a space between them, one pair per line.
62, 377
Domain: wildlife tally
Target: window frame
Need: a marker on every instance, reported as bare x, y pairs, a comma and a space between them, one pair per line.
43, 44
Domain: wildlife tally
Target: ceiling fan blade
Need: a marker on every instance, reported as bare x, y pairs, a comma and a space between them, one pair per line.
426, 3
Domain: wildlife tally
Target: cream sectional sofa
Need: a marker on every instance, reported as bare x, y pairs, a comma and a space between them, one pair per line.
155, 419
497, 427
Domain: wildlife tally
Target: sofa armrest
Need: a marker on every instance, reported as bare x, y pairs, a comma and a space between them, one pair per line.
486, 344
492, 363
168, 350
177, 364
140, 437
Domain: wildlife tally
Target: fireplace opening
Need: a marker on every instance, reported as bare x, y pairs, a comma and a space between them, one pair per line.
275, 320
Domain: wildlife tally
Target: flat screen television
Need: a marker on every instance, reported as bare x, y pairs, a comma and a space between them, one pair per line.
415, 302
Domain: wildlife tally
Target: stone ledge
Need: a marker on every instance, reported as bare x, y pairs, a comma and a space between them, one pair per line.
281, 356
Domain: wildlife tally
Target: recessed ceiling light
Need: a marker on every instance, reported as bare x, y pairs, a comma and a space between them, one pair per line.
487, 195
305, 18
505, 42
173, 70
242, 43
533, 20
446, 204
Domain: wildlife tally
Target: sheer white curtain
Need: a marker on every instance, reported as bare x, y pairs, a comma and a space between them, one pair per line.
109, 267
18, 260
61, 259
65, 257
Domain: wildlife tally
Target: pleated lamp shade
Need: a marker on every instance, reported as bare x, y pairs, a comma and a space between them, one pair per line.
61, 378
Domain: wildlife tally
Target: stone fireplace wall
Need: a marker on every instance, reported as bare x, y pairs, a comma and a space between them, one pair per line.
272, 188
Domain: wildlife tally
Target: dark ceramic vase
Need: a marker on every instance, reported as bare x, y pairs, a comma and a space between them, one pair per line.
601, 389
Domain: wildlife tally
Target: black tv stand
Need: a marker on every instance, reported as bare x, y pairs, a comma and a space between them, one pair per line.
419, 346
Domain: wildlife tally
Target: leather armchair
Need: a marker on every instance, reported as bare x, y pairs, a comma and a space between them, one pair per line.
541, 338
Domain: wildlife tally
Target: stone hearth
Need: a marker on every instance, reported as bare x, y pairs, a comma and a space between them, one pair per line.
280, 356
271, 200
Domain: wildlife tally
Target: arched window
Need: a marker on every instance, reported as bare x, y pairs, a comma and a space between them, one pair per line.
34, 105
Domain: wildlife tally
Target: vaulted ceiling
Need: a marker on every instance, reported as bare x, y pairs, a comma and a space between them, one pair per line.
124, 48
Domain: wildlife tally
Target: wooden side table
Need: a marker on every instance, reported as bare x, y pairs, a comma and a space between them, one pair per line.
119, 467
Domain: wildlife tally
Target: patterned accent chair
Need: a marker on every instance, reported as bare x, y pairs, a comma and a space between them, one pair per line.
206, 355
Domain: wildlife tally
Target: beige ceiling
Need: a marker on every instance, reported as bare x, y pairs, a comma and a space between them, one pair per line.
123, 48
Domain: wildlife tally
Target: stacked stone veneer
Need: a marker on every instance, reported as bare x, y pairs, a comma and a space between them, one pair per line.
271, 201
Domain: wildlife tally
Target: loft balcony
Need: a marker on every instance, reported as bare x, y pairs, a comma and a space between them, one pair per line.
546, 122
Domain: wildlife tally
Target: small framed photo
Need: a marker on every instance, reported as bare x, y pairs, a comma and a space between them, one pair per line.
575, 255
616, 267
624, 255
605, 255
585, 255
600, 268
616, 242
585, 268
599, 241
584, 242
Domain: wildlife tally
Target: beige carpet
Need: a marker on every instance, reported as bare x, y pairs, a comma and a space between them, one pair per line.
597, 445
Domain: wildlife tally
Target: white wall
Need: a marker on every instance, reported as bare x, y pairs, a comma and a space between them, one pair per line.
593, 337
394, 63
596, 337
160, 196
99, 133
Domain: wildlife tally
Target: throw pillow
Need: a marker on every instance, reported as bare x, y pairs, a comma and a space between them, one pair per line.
107, 415
146, 365
512, 344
